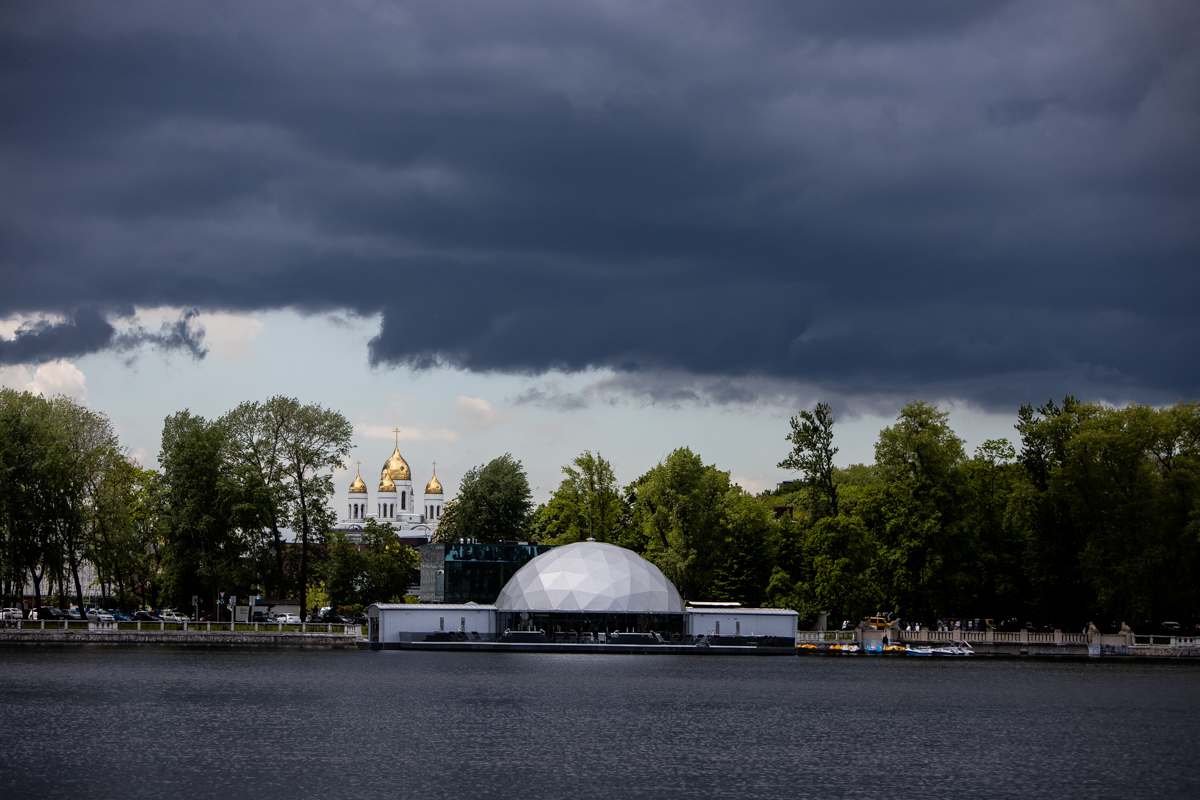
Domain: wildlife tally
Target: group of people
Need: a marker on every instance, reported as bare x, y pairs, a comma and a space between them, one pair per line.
950, 625
959, 625
942, 625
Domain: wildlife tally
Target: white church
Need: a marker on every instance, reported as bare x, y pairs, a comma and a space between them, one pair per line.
396, 503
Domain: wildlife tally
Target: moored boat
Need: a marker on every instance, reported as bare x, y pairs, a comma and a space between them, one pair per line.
955, 649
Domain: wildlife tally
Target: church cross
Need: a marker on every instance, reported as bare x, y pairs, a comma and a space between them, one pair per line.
397, 432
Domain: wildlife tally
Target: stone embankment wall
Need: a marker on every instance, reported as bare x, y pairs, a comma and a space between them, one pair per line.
1091, 644
187, 638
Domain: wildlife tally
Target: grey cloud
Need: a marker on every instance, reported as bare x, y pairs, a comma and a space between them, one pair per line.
995, 201
183, 334
88, 331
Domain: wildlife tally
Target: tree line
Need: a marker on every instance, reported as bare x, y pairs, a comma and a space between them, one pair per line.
1096, 517
1093, 516
207, 524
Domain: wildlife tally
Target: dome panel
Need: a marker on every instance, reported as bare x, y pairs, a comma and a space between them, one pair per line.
590, 576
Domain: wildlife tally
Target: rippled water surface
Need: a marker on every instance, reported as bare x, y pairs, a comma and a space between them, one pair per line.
137, 722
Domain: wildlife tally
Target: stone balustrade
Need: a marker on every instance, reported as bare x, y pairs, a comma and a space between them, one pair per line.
1024, 642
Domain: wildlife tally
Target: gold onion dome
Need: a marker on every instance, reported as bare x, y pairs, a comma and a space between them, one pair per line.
386, 485
396, 467
434, 486
358, 487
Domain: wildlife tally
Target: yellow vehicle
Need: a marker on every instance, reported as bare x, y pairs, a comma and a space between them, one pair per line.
877, 622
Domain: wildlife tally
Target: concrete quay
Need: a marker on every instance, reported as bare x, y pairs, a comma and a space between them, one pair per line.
189, 638
1091, 645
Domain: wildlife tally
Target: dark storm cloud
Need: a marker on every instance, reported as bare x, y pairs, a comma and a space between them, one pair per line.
87, 331
994, 201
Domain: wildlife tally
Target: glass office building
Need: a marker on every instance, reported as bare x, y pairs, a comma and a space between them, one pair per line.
471, 572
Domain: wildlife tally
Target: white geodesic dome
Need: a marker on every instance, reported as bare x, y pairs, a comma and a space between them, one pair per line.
590, 576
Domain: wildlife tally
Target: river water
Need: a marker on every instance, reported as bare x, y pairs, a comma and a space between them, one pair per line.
155, 722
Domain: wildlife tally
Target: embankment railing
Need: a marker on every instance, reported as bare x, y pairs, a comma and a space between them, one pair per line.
179, 627
982, 637
812, 637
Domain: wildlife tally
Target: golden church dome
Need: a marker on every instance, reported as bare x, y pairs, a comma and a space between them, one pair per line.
396, 467
386, 485
358, 487
434, 486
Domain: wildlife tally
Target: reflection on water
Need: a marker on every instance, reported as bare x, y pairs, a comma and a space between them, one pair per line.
161, 722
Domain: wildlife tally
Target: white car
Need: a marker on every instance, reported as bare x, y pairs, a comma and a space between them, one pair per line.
11, 613
288, 619
171, 615
97, 615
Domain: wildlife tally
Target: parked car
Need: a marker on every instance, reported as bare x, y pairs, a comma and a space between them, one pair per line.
119, 615
146, 616
73, 613
360, 618
171, 615
288, 619
48, 612
99, 615
11, 613
334, 618
262, 616
215, 616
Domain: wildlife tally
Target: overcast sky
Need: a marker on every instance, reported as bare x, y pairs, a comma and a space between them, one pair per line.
544, 227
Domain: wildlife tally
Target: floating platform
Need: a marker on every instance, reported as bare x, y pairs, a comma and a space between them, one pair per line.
603, 649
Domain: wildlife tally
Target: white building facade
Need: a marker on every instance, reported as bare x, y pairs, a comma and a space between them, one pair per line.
396, 502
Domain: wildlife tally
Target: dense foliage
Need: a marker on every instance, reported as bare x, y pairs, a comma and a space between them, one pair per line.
493, 503
1094, 516
207, 523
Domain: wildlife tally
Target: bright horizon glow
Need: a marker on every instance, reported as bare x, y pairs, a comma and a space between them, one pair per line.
457, 418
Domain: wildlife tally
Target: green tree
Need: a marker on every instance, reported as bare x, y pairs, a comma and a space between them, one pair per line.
587, 504
115, 547
449, 529
378, 570
493, 503
991, 478
147, 536
255, 438
844, 578
743, 566
1108, 507
920, 447
344, 571
913, 515
202, 550
1055, 540
812, 454
34, 462
314, 439
93, 497
678, 520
